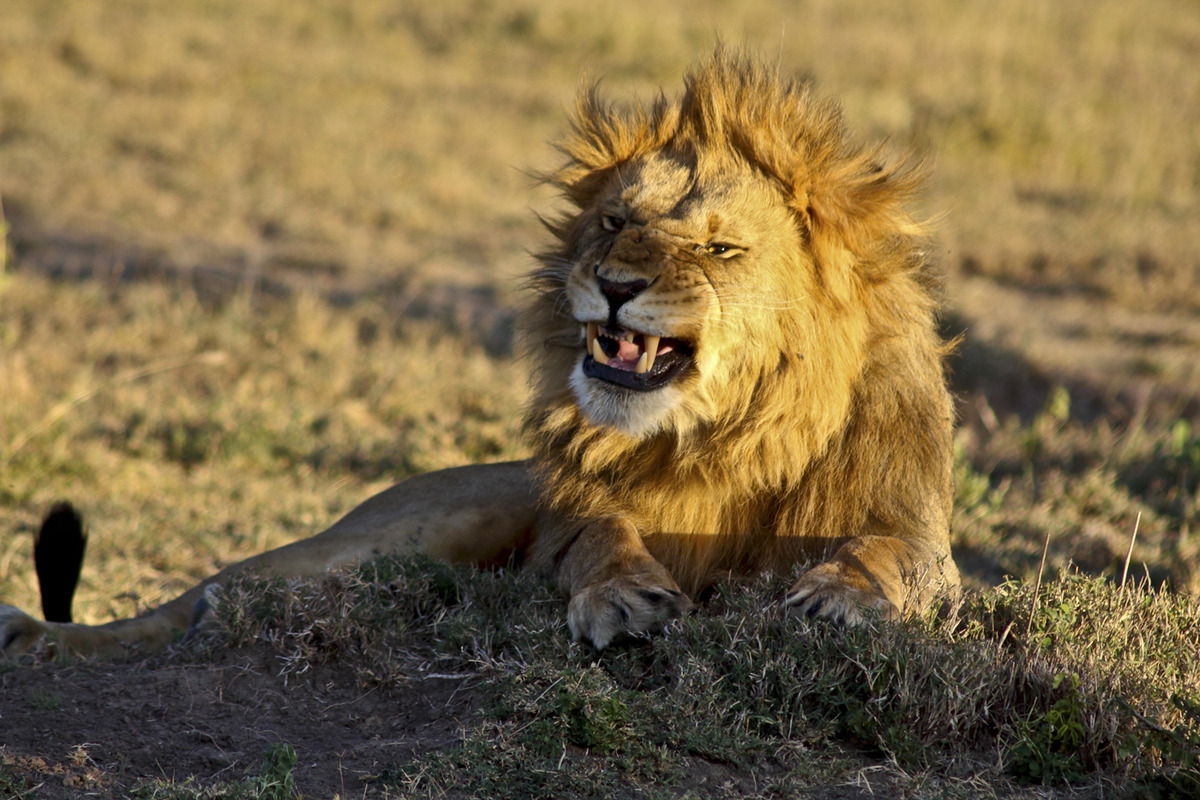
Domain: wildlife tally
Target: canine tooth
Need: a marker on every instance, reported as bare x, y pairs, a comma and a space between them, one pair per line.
598, 352
643, 365
593, 330
651, 350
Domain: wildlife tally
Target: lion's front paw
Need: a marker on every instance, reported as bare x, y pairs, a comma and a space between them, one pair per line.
834, 592
598, 613
19, 632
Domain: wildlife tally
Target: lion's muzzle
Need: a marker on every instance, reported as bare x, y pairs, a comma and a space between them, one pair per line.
638, 361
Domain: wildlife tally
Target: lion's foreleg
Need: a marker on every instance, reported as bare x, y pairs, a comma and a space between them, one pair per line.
615, 585
888, 575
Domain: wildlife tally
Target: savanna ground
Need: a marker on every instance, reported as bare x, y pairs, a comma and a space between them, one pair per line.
261, 264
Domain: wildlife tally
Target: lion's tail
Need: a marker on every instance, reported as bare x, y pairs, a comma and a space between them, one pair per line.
57, 557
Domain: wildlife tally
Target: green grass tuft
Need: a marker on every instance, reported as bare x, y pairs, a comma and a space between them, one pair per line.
45, 700
274, 782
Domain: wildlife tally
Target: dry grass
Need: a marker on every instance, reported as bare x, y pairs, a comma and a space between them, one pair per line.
219, 431
1081, 484
383, 138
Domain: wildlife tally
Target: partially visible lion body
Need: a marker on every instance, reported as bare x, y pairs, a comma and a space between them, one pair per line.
792, 403
822, 414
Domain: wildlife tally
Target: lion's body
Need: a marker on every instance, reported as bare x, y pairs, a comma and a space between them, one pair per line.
736, 368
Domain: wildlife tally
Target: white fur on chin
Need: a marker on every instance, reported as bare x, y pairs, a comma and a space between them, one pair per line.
635, 414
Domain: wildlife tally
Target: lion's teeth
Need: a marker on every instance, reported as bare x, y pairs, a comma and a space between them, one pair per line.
645, 361
593, 343
598, 352
651, 351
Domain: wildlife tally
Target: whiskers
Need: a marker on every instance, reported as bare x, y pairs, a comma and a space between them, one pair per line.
550, 280
731, 305
571, 341
551, 275
730, 299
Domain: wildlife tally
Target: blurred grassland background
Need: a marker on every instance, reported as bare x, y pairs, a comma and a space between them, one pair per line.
263, 255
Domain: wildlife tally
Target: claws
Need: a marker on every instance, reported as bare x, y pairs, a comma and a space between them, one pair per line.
600, 613
821, 596
813, 609
810, 605
658, 597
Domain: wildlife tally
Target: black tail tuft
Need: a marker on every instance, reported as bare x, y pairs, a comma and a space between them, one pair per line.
57, 557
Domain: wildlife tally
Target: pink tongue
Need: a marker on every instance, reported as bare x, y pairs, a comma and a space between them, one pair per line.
627, 356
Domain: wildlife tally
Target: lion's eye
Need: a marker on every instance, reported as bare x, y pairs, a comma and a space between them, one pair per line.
721, 249
611, 223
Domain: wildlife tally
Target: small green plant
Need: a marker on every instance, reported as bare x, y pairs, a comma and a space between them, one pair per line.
1053, 416
1047, 743
1181, 452
589, 713
45, 700
274, 782
972, 489
1178, 772
14, 786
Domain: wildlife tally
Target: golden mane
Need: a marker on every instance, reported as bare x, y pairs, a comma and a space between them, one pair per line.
807, 444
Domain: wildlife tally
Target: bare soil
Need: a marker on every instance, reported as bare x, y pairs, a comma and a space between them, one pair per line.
99, 729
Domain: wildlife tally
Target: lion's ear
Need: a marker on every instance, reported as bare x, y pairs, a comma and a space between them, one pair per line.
855, 213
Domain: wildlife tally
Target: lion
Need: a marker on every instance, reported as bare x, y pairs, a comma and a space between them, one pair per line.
736, 368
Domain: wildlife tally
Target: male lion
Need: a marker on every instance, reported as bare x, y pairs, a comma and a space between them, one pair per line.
735, 367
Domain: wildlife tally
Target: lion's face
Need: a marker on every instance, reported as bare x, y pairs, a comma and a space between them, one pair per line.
680, 274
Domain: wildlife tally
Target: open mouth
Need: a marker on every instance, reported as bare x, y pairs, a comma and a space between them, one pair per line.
638, 361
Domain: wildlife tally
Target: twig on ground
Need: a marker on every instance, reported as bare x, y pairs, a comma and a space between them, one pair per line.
1129, 553
1037, 586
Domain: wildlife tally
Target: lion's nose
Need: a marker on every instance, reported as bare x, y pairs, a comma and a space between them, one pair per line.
618, 293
